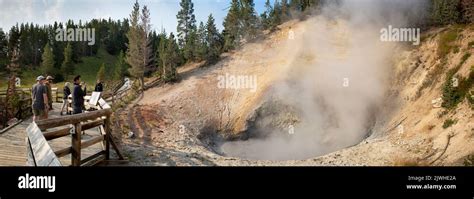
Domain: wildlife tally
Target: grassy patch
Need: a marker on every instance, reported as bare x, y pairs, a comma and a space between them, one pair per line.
464, 58
87, 68
448, 123
470, 82
469, 161
470, 44
453, 95
431, 77
446, 40
443, 113
470, 98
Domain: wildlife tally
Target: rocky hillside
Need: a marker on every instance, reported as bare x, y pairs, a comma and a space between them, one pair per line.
421, 119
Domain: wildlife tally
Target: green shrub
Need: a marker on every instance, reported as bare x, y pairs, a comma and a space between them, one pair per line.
432, 76
448, 123
445, 42
456, 49
464, 58
452, 96
470, 98
469, 161
470, 44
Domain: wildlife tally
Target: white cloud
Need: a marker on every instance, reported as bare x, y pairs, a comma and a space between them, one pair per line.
13, 11
54, 10
163, 12
98, 14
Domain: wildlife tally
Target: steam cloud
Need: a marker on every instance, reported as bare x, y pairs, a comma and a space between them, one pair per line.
342, 43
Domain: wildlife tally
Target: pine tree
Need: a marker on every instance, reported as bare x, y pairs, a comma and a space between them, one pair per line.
314, 4
101, 73
148, 54
201, 50
232, 31
295, 5
121, 67
186, 28
213, 41
285, 10
265, 16
163, 55
3, 49
47, 65
160, 53
57, 48
24, 44
13, 69
275, 16
171, 59
249, 19
13, 40
467, 11
445, 11
135, 53
68, 66
305, 4
190, 48
3, 44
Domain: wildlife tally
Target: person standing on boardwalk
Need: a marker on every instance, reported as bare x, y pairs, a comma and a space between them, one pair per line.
78, 95
99, 87
66, 93
40, 99
49, 81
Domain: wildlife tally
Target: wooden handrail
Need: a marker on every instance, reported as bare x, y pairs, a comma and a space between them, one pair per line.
39, 149
73, 119
67, 131
57, 134
80, 123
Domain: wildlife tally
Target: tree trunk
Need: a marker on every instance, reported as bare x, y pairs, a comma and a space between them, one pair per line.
142, 84
10, 94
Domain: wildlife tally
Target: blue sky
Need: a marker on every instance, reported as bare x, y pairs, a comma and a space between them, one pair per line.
163, 12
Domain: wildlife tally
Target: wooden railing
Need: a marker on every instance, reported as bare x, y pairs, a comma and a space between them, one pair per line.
21, 111
74, 125
38, 150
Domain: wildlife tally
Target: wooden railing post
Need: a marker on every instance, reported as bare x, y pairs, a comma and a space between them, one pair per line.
76, 145
107, 137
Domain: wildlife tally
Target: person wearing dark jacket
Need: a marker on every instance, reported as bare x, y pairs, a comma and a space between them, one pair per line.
66, 92
99, 87
78, 95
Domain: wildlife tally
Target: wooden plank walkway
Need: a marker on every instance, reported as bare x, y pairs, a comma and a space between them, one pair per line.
13, 145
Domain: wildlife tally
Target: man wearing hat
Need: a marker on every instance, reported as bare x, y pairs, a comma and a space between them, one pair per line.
40, 99
49, 81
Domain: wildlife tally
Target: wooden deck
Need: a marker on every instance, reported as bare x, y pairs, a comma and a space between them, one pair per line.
13, 145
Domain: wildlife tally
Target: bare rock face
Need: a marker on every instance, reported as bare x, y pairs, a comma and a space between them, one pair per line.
437, 102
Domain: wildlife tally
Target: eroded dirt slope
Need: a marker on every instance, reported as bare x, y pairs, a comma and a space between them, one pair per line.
173, 123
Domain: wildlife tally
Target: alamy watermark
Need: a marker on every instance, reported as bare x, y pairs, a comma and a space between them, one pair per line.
345, 82
291, 130
392, 34
291, 35
455, 82
237, 82
37, 182
76, 34
17, 82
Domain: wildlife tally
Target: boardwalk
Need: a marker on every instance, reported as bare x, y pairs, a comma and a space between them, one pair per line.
13, 146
